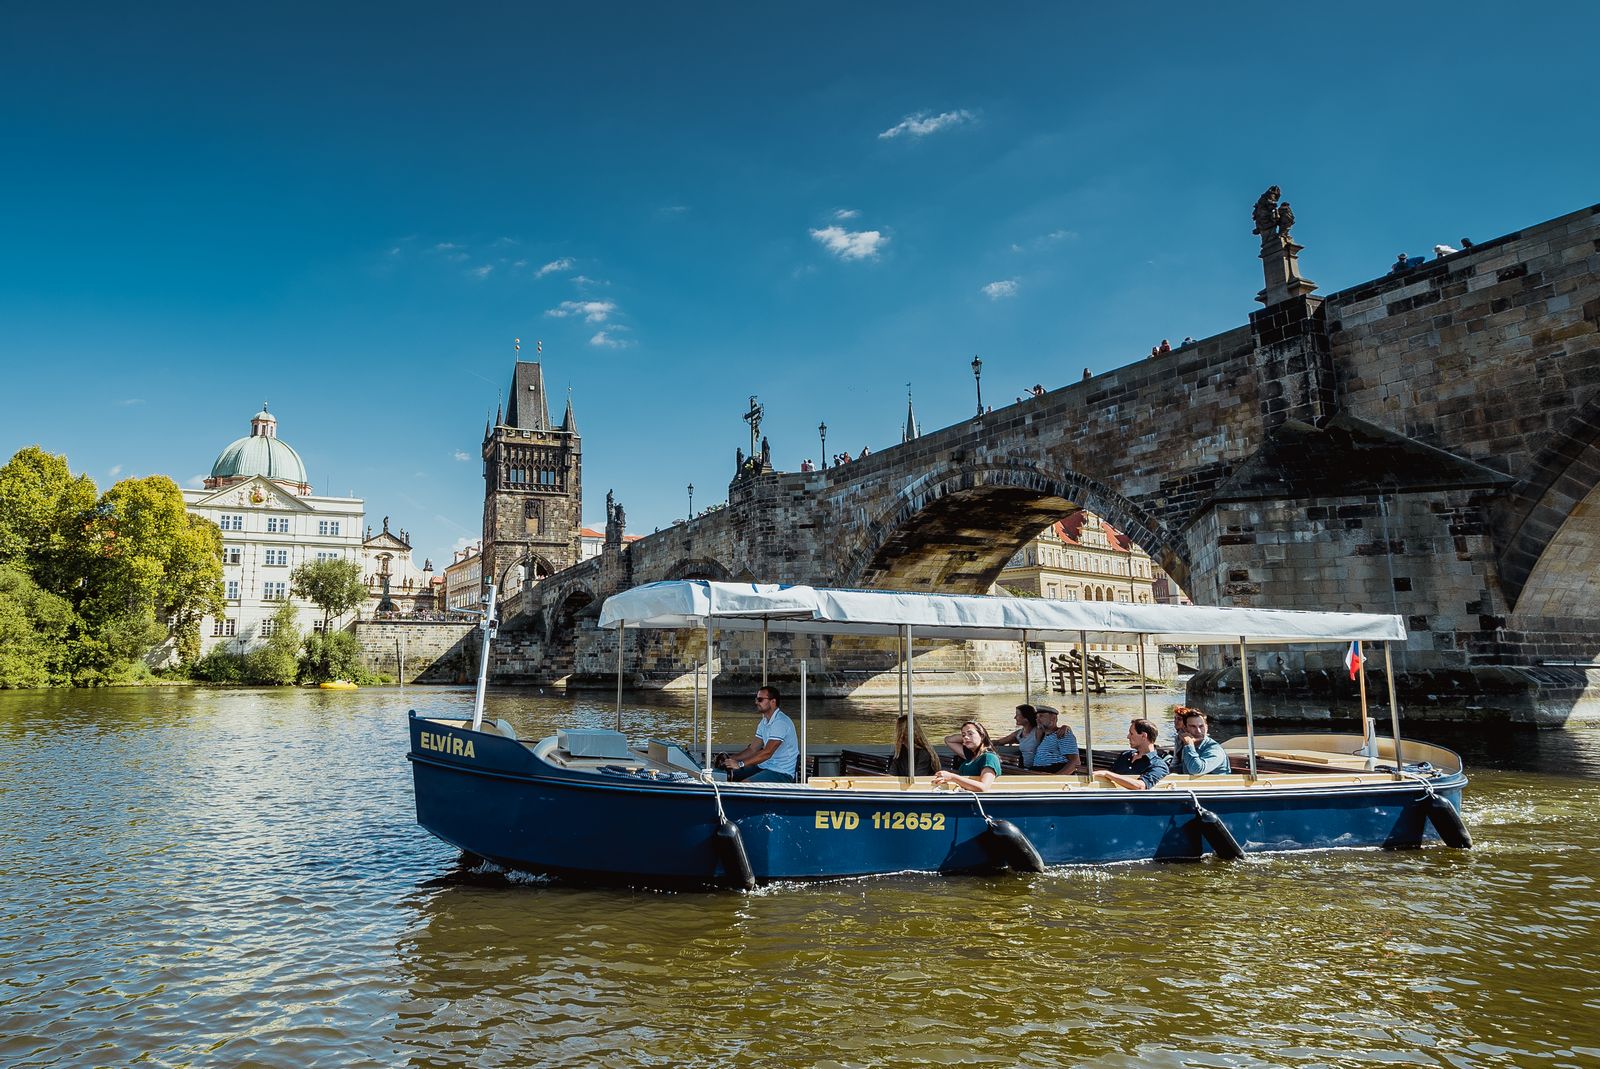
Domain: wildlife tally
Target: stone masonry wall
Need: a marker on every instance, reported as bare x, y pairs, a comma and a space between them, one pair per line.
435, 652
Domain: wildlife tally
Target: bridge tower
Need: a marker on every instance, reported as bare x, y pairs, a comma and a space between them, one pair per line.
532, 484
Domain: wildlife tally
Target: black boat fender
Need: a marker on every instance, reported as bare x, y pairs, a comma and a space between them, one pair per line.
1006, 844
1005, 841
1215, 832
730, 851
729, 845
1446, 820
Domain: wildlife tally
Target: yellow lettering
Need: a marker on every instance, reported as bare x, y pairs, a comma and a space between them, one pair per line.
822, 818
469, 752
852, 821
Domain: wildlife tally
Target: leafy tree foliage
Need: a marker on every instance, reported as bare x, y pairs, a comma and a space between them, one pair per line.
332, 655
277, 663
106, 577
334, 586
33, 629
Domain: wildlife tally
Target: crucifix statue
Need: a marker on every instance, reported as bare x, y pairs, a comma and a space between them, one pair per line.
753, 417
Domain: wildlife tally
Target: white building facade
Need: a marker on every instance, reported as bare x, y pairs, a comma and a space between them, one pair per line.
271, 522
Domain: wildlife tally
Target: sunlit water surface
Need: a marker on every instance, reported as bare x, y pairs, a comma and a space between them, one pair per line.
236, 878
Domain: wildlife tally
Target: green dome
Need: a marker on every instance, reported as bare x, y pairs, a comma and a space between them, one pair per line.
261, 453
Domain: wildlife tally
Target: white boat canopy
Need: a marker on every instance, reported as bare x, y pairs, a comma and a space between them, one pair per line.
695, 603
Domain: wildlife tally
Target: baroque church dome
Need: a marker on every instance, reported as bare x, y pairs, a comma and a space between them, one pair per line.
261, 453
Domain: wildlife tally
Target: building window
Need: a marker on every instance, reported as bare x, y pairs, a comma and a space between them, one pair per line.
230, 522
327, 554
233, 590
278, 557
277, 525
274, 591
269, 628
216, 627
328, 527
232, 555
316, 625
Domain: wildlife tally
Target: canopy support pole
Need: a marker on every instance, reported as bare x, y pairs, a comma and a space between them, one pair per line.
1249, 714
1366, 724
1088, 720
711, 660
1144, 691
1394, 709
694, 715
1027, 676
805, 761
487, 624
622, 629
899, 675
764, 622
911, 712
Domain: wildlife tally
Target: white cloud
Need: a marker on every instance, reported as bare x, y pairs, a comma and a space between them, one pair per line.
195, 482
445, 246
585, 280
131, 401
116, 469
481, 272
462, 454
591, 311
563, 264
922, 123
606, 339
465, 542
844, 214
519, 263
996, 291
1060, 235
503, 243
850, 244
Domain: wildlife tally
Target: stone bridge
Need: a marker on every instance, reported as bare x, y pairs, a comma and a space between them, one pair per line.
1426, 443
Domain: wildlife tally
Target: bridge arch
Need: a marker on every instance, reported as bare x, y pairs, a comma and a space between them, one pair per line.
698, 568
1551, 564
955, 528
569, 612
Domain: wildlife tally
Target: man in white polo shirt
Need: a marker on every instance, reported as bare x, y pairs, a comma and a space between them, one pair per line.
774, 756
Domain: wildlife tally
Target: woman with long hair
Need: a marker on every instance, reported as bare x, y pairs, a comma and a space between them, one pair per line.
1026, 736
927, 760
979, 767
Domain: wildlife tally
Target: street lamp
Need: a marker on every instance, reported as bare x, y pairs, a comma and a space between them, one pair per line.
977, 379
822, 429
691, 501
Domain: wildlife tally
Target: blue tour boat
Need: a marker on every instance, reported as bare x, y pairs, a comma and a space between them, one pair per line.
594, 805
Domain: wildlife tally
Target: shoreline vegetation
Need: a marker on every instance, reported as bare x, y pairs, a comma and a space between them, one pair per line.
109, 589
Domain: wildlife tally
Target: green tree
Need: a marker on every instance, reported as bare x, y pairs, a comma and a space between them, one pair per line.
332, 655
45, 512
334, 586
277, 662
33, 626
150, 566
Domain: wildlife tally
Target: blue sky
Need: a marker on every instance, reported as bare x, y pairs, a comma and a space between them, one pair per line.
351, 211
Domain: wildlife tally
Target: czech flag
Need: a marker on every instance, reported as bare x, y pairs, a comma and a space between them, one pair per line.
1353, 659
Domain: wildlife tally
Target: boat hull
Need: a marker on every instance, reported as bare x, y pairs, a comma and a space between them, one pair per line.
498, 800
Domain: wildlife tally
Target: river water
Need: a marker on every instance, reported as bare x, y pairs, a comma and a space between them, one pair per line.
200, 878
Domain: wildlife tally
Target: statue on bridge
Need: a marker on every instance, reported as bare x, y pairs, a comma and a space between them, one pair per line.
1280, 256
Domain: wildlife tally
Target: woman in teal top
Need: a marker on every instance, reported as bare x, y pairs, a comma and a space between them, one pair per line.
979, 766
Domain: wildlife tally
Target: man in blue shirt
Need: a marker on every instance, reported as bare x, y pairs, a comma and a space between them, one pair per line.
1140, 767
1198, 753
774, 756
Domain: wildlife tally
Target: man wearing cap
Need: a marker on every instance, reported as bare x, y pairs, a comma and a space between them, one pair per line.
1057, 751
774, 755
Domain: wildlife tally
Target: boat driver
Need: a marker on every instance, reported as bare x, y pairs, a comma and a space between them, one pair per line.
774, 755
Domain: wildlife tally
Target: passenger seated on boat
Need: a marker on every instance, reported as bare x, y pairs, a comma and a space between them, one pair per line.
1057, 751
774, 755
927, 762
1025, 738
1140, 767
1198, 753
979, 766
